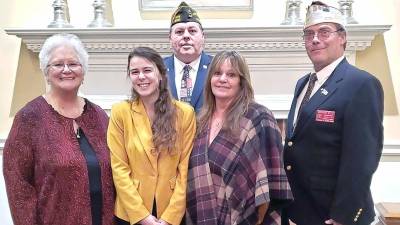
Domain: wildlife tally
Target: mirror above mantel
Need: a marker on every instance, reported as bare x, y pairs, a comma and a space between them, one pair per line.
276, 56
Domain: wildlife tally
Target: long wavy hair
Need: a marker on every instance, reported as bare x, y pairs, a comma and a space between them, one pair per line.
164, 124
239, 105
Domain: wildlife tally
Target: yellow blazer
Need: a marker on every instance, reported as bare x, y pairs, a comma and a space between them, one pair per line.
140, 175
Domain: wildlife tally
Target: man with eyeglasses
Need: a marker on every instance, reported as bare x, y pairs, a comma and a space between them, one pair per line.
334, 131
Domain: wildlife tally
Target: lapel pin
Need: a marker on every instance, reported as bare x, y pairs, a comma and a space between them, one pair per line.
324, 91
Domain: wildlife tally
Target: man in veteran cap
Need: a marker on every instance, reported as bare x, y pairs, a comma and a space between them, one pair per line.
334, 130
187, 67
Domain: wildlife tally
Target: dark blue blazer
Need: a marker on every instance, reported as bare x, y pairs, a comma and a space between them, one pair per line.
197, 94
332, 153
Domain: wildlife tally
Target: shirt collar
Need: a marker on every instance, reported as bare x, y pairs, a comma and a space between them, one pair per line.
179, 64
323, 74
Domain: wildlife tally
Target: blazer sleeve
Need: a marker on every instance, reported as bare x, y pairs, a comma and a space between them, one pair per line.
124, 185
361, 151
18, 169
177, 205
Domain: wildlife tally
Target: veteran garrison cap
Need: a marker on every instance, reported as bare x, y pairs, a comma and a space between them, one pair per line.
183, 14
319, 12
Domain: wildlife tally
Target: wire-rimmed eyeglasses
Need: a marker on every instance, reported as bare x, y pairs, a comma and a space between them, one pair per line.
322, 35
74, 66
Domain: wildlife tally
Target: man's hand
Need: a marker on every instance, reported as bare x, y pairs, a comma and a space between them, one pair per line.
331, 221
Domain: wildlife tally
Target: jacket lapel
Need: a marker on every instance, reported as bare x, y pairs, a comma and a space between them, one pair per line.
169, 63
200, 79
302, 82
325, 92
142, 126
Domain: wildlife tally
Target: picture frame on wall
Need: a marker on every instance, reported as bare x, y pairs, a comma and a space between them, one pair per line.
211, 9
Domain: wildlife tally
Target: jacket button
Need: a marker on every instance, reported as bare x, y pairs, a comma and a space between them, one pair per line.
290, 143
288, 167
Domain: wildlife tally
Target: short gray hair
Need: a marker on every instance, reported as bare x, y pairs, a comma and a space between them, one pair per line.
63, 39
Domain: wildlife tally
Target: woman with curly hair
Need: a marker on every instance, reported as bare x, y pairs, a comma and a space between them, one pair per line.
150, 138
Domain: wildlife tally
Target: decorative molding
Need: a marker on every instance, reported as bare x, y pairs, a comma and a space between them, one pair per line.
254, 39
106, 101
278, 104
391, 151
2, 142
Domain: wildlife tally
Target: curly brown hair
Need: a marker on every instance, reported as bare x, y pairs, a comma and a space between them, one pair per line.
164, 124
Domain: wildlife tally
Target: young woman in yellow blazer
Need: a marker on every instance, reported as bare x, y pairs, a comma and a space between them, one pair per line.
150, 137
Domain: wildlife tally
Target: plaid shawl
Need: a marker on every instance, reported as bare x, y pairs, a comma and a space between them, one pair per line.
250, 173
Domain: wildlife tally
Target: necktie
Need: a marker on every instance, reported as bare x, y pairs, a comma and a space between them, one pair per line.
311, 83
186, 85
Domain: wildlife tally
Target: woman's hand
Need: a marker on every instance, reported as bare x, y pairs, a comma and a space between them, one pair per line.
162, 222
331, 221
261, 211
149, 220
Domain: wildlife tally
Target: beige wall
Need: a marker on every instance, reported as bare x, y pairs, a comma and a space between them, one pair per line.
375, 60
15, 90
29, 81
17, 14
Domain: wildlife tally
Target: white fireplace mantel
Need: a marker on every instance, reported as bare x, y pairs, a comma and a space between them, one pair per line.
275, 55
245, 39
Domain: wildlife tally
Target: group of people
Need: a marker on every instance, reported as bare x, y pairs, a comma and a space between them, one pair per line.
191, 145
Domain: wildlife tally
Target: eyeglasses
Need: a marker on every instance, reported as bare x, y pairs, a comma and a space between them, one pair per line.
74, 66
321, 34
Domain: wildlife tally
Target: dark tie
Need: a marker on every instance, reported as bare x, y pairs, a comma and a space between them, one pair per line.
311, 83
186, 85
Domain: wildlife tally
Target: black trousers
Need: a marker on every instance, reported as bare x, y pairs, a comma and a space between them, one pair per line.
284, 218
118, 221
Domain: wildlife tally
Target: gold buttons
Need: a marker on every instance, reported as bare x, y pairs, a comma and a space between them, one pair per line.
358, 215
290, 143
288, 167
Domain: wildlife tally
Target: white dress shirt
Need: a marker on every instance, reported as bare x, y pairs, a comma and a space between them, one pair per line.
322, 76
179, 73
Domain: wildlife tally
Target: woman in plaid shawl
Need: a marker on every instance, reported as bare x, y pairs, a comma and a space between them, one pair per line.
235, 169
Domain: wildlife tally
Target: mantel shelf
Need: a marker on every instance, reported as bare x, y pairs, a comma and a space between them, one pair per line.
246, 39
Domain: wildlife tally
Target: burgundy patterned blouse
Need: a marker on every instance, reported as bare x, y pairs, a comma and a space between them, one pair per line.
45, 171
